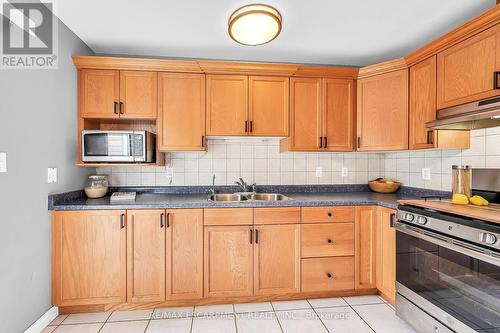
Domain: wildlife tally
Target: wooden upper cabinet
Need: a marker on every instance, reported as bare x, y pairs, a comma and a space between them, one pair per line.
145, 256
386, 254
99, 93
227, 105
277, 259
382, 110
181, 112
184, 253
465, 71
268, 105
138, 94
365, 247
228, 264
89, 257
422, 103
338, 115
305, 114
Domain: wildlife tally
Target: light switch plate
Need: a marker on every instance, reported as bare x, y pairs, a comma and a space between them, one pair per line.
426, 173
345, 172
319, 172
51, 175
3, 162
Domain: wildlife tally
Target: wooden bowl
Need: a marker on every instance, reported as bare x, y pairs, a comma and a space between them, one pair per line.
382, 187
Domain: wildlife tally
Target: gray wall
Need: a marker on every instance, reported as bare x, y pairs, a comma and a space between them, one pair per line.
38, 110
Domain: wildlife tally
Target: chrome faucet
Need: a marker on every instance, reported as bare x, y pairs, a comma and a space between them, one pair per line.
213, 185
244, 186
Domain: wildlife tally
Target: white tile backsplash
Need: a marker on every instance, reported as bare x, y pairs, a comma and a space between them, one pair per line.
262, 162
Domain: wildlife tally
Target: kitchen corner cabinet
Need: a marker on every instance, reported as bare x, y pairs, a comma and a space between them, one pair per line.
184, 264
240, 105
181, 112
386, 254
89, 257
468, 71
112, 94
277, 259
382, 112
365, 247
145, 255
228, 263
322, 115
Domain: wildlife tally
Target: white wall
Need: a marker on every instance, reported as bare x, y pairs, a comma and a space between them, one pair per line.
38, 110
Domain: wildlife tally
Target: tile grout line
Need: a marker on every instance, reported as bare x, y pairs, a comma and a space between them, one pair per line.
277, 319
234, 317
363, 319
192, 321
147, 325
321, 321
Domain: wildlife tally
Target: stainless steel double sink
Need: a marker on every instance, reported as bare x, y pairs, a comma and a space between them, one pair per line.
243, 197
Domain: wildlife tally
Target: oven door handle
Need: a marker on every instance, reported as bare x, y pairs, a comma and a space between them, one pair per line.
447, 242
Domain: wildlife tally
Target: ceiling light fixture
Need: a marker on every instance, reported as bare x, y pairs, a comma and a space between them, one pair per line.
255, 24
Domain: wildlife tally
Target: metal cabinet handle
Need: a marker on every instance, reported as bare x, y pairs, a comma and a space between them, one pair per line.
429, 137
122, 221
246, 126
329, 241
121, 108
168, 220
203, 141
251, 236
329, 214
392, 219
251, 126
329, 275
495, 80
359, 142
256, 236
115, 107
320, 142
325, 142
161, 220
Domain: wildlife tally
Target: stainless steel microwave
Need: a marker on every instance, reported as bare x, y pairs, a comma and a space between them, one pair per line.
118, 146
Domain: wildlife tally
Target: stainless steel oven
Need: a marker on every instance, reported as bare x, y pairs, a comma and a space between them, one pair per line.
118, 146
447, 272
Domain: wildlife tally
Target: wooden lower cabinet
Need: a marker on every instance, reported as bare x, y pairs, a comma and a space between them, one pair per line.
327, 274
145, 256
327, 239
228, 263
386, 254
88, 257
184, 255
365, 247
277, 259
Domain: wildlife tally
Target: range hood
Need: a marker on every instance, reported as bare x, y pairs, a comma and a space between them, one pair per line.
481, 114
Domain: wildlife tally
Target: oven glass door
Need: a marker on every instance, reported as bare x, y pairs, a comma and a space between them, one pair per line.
464, 287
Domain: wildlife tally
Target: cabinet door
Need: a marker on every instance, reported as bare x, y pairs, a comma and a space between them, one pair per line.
386, 254
338, 115
145, 256
181, 112
99, 93
305, 114
383, 112
138, 94
465, 71
269, 105
327, 274
422, 102
365, 243
184, 253
228, 261
227, 105
277, 259
89, 257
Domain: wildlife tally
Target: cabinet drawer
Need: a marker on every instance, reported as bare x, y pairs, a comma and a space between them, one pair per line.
328, 239
277, 215
324, 274
327, 214
228, 216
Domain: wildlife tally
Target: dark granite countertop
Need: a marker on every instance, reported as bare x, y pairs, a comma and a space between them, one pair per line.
197, 197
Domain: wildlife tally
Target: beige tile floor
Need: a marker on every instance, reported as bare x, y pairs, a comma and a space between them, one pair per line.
340, 315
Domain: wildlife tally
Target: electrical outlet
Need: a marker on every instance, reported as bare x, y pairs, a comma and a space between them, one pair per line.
426, 173
345, 172
319, 172
169, 171
51, 175
3, 162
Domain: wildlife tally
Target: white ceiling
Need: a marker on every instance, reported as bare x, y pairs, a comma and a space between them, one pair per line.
348, 32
